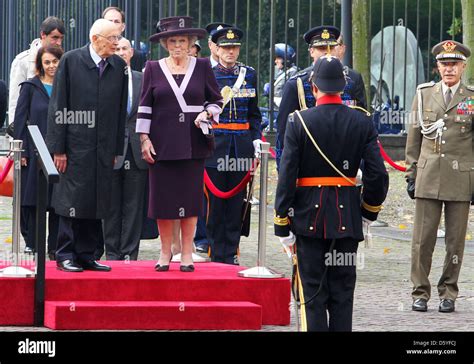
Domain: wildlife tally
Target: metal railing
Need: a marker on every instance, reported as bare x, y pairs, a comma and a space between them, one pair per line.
47, 174
265, 22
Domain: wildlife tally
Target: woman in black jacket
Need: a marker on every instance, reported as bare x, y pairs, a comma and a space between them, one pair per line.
32, 109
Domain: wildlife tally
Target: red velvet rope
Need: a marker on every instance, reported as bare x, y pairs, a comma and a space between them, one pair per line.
389, 160
5, 171
226, 195
272, 151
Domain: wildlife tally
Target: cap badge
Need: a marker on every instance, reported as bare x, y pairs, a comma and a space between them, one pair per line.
325, 34
230, 35
449, 47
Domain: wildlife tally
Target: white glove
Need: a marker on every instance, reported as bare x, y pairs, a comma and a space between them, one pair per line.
366, 231
256, 147
288, 242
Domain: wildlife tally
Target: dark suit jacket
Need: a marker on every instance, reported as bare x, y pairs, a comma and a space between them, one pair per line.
3, 102
131, 136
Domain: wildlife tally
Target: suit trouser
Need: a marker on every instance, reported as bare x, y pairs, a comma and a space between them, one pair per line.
427, 217
224, 223
53, 221
123, 225
331, 308
77, 238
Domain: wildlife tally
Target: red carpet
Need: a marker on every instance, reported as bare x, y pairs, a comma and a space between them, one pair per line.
134, 296
146, 315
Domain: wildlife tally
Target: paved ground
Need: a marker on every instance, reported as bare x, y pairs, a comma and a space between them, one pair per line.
382, 296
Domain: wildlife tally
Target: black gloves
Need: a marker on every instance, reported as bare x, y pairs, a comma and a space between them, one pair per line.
411, 188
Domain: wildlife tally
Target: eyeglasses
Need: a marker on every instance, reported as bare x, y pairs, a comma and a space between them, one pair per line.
111, 38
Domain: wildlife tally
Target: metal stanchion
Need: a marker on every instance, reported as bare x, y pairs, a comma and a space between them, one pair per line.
260, 271
15, 270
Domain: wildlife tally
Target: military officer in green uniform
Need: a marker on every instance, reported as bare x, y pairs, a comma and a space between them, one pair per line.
440, 163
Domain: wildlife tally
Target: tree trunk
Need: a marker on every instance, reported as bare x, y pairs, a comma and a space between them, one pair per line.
468, 36
361, 42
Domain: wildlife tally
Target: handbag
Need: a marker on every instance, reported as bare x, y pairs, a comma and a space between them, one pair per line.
6, 186
10, 129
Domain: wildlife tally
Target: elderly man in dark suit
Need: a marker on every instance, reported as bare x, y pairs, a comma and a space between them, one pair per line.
86, 128
3, 102
122, 226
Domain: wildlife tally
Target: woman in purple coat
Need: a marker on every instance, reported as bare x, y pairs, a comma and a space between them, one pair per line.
179, 93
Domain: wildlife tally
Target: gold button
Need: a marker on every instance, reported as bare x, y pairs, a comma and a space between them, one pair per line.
317, 206
319, 186
443, 142
339, 186
442, 155
343, 228
310, 228
445, 128
341, 206
445, 115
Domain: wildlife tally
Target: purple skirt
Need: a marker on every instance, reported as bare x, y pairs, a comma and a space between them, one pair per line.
176, 189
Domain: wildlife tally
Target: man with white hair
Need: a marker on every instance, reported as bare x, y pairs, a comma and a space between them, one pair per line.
86, 128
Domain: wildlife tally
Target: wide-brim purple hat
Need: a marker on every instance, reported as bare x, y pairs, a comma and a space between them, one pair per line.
176, 25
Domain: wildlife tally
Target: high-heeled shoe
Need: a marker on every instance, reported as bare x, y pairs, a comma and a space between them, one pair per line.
186, 268
163, 268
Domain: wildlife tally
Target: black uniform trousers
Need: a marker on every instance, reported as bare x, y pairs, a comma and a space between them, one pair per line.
77, 238
123, 226
224, 222
336, 296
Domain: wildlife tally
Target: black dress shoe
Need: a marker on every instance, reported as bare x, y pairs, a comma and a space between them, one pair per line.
186, 268
420, 304
446, 305
94, 265
162, 268
68, 266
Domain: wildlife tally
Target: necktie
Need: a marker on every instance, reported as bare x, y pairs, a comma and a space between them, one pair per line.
129, 105
448, 97
102, 65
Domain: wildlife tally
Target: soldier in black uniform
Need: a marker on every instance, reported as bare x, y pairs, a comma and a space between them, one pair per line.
321, 40
237, 138
318, 201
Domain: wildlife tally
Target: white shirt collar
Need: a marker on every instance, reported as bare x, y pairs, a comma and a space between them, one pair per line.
453, 88
95, 57
213, 61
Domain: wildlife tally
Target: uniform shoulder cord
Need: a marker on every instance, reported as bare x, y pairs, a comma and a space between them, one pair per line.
321, 152
301, 96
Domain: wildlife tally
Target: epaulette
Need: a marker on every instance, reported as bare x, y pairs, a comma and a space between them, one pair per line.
300, 74
427, 84
355, 107
250, 68
470, 87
